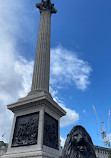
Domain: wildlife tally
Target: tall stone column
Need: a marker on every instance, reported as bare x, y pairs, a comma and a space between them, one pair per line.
36, 125
41, 72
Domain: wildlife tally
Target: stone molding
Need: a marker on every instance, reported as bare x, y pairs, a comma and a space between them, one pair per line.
35, 102
37, 154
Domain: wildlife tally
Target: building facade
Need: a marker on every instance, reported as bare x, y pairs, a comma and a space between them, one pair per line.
101, 152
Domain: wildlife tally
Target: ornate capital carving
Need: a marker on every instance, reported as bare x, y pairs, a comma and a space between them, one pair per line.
46, 5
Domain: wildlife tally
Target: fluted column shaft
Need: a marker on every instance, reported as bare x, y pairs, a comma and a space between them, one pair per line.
42, 59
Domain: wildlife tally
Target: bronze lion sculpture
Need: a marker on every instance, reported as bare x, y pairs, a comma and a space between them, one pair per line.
78, 144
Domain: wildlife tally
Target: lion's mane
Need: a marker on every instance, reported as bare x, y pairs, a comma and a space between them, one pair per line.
78, 144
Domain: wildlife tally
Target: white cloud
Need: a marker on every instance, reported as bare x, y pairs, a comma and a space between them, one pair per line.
71, 116
66, 67
25, 70
15, 82
15, 71
62, 141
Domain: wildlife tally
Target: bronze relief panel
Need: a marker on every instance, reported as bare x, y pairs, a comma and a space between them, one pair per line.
26, 130
50, 138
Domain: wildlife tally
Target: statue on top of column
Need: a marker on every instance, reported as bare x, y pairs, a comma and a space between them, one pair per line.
46, 4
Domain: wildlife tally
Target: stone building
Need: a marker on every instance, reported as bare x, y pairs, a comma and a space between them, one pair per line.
101, 152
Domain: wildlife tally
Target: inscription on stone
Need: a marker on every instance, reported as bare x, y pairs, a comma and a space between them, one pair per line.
26, 130
50, 132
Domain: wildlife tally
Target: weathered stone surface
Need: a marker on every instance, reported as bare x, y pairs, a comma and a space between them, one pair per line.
78, 144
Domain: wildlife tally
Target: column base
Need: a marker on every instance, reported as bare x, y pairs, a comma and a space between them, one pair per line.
37, 154
42, 108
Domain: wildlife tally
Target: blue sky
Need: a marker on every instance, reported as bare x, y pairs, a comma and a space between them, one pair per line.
80, 60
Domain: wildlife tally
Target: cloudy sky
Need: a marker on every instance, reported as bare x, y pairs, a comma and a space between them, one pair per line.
80, 73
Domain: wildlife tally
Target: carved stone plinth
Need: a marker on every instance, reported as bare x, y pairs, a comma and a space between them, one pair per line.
36, 127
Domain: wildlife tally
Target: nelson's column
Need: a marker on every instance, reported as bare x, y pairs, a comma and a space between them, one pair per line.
36, 124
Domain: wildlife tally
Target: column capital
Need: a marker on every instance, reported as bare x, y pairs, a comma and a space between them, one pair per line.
46, 5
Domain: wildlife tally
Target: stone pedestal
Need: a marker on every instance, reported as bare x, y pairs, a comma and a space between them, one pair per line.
36, 127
